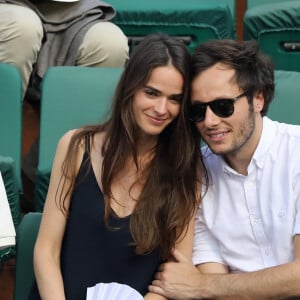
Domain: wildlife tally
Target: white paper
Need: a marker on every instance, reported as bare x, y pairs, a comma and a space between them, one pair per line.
7, 229
112, 291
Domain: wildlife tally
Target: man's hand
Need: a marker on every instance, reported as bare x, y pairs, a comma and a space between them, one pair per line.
177, 280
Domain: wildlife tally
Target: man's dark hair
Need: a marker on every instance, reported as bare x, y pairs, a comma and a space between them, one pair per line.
254, 71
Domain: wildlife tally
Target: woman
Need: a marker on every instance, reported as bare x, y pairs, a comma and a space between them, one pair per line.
123, 194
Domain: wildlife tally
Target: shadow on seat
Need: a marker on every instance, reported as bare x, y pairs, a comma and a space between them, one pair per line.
26, 236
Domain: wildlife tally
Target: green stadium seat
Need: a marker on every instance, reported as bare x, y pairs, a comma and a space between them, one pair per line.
232, 6
252, 3
11, 139
71, 97
11, 116
193, 21
26, 236
285, 106
276, 27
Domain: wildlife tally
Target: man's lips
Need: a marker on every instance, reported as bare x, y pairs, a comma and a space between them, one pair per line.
217, 135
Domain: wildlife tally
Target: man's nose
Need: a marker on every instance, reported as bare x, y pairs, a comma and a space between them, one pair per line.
210, 118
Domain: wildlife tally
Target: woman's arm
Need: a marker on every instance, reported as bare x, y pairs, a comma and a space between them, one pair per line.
185, 246
48, 245
152, 296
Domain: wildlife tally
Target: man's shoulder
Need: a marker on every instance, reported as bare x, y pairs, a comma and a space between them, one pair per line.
284, 141
290, 129
288, 134
209, 157
281, 127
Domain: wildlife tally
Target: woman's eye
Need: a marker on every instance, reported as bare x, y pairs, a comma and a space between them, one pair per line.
150, 93
177, 99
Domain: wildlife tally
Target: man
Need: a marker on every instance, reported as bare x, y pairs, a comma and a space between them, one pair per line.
247, 242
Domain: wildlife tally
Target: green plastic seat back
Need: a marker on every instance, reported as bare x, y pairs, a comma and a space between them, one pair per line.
231, 4
193, 21
11, 115
26, 237
252, 3
285, 106
276, 27
71, 97
8, 173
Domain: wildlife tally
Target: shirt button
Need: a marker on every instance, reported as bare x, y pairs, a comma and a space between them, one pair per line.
255, 219
267, 253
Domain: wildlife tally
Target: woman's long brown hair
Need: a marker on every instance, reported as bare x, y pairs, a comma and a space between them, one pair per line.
169, 195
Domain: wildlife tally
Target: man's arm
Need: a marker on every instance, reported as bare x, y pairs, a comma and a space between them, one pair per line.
182, 280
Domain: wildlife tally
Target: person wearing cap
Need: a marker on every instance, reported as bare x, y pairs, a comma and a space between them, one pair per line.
36, 34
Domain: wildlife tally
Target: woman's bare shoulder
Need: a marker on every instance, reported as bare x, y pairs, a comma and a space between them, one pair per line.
98, 140
66, 138
63, 146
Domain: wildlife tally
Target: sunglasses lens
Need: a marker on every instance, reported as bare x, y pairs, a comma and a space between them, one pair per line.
197, 112
222, 107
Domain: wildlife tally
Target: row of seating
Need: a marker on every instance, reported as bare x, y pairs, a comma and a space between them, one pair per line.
192, 20
75, 96
274, 24
87, 94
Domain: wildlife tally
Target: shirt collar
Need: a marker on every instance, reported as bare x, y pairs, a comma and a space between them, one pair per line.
265, 142
259, 156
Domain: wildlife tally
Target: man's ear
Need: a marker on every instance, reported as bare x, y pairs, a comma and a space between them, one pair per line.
258, 101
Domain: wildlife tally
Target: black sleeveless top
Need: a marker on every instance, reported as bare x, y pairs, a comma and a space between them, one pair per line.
91, 252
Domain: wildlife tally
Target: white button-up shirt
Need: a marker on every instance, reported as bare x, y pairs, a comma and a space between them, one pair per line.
248, 222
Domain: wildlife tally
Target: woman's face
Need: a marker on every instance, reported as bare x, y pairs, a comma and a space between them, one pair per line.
157, 103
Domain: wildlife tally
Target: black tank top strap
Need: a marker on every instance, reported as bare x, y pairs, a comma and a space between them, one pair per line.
86, 162
87, 144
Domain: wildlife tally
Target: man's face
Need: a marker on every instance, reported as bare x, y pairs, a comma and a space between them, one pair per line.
225, 135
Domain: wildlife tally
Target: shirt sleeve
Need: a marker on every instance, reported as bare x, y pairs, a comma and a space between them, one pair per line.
206, 247
296, 184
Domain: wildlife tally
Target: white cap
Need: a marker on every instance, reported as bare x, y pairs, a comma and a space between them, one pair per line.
66, 0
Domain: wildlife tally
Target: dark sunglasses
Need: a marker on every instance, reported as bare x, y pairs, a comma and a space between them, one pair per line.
223, 108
